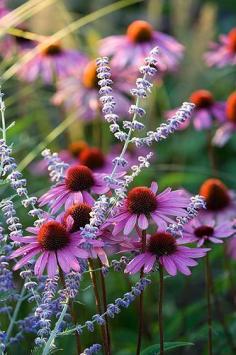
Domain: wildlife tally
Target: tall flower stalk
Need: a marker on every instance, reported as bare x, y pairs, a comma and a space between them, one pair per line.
208, 282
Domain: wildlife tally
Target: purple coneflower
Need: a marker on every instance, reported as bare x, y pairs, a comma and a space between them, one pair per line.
220, 201
224, 52
55, 244
79, 92
131, 49
165, 249
96, 160
77, 187
76, 217
52, 62
144, 204
224, 133
202, 230
206, 110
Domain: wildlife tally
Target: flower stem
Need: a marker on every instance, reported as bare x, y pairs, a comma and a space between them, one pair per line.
55, 331
71, 308
209, 310
104, 300
15, 314
211, 154
160, 315
140, 309
98, 304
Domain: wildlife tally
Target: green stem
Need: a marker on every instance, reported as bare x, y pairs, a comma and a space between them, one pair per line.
15, 314
55, 331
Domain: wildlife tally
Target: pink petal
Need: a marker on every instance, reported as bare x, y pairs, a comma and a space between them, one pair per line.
52, 264
142, 222
168, 264
154, 187
41, 263
130, 224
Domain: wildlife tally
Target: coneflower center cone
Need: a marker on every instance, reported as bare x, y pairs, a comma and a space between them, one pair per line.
232, 39
93, 158
204, 231
52, 50
75, 148
215, 193
79, 178
81, 215
141, 200
231, 108
89, 78
53, 236
139, 31
162, 244
202, 98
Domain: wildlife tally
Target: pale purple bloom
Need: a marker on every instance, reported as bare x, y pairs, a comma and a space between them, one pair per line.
204, 229
144, 205
78, 184
168, 252
206, 112
53, 62
131, 49
79, 91
55, 244
223, 53
224, 133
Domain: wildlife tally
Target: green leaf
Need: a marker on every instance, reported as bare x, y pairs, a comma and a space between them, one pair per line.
155, 349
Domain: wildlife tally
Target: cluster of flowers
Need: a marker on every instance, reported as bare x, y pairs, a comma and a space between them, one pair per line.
92, 213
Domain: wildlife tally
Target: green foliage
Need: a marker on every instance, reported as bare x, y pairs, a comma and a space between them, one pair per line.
155, 349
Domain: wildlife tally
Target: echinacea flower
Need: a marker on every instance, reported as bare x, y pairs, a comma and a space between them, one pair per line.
78, 184
168, 252
220, 201
223, 53
131, 49
79, 91
205, 112
224, 132
52, 62
96, 160
144, 205
202, 230
55, 244
75, 218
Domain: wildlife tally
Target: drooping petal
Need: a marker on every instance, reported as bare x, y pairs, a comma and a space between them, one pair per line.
168, 264
52, 264
142, 222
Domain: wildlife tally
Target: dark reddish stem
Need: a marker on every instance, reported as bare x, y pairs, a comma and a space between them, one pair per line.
98, 303
160, 307
140, 309
209, 307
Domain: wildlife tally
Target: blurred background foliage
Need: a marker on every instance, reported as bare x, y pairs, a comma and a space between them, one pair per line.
182, 160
